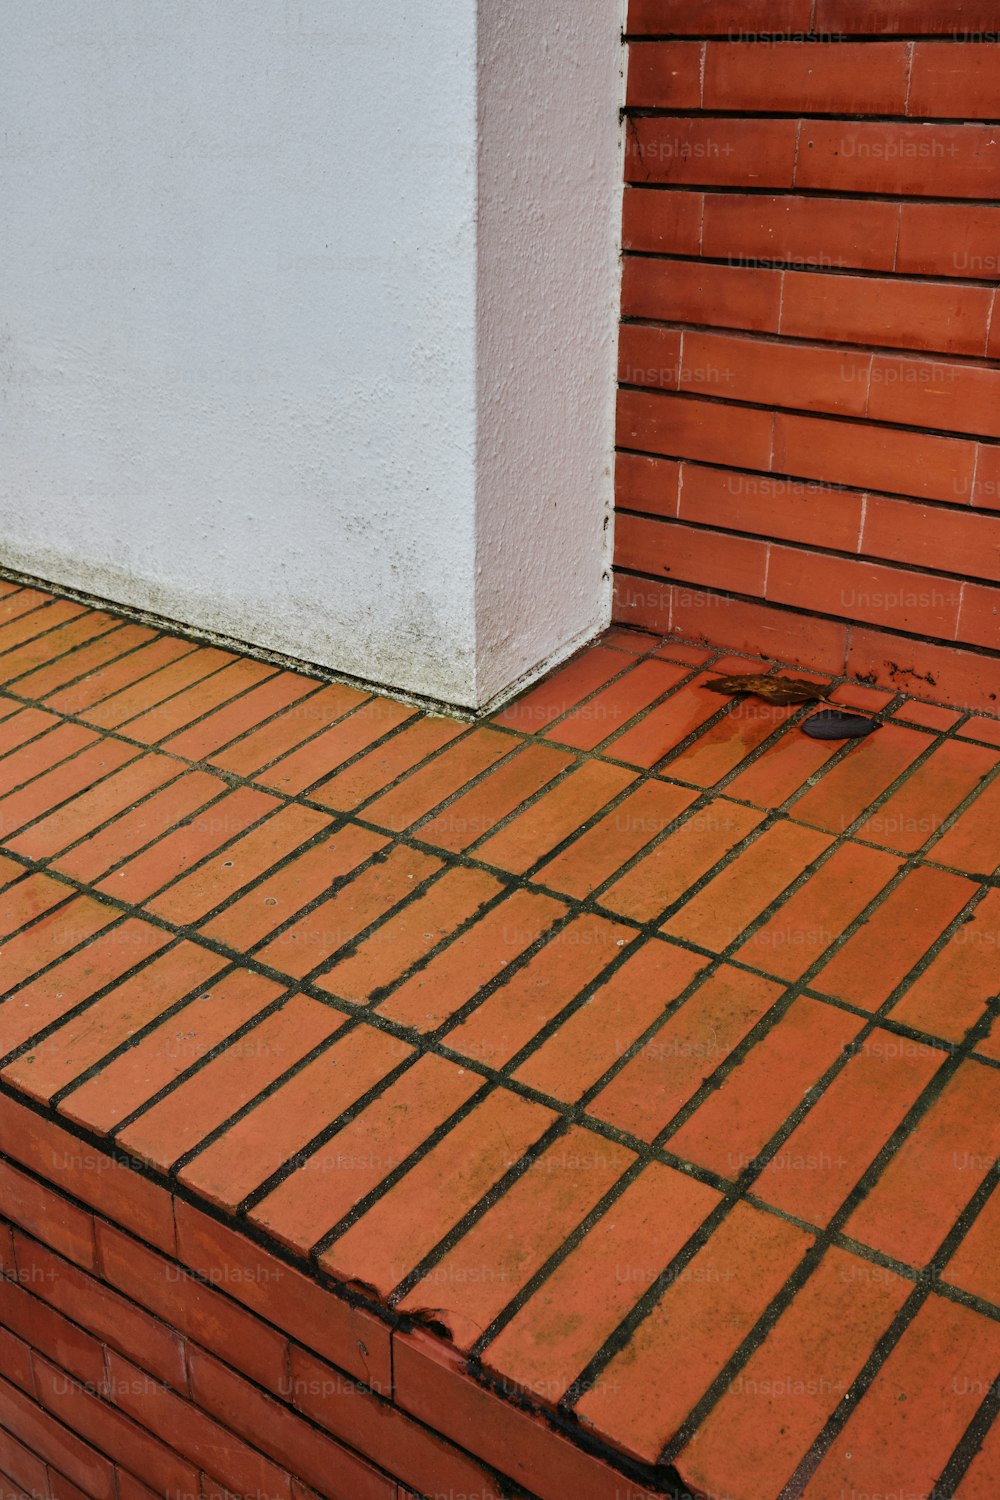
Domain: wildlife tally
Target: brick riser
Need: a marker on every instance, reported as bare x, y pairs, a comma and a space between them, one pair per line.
809, 419
148, 1350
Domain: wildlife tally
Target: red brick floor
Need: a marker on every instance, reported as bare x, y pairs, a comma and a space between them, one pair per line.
631, 1055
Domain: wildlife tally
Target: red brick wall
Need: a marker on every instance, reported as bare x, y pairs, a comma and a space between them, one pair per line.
809, 423
147, 1350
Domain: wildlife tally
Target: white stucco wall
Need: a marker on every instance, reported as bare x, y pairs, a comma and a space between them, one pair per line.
260, 371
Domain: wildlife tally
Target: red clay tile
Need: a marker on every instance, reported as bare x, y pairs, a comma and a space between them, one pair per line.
733, 1125
614, 839
865, 772
755, 1437
329, 1183
673, 1064
367, 776
286, 1121
220, 728
723, 909
87, 662
726, 744
975, 1266
894, 938
808, 922
97, 686
781, 770
286, 730
611, 709
111, 1021
61, 782
563, 1325
436, 991
828, 1153
52, 935
663, 727
191, 899
601, 1031
707, 1309
512, 1014
30, 761
557, 814
927, 715
28, 899
351, 1337
79, 817
982, 1478
429, 785
433, 913
917, 810
478, 811
22, 724
674, 865
980, 728
497, 1257
65, 985
75, 1457
204, 1101
313, 939
151, 1064
952, 993
973, 841
935, 1172
149, 683
905, 1427
161, 837
45, 651
153, 724
248, 919
536, 709
635, 642
395, 1234
41, 616
325, 752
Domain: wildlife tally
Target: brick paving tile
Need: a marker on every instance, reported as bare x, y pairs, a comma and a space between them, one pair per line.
181, 1040
113, 1020
935, 1172
455, 975
495, 1183
754, 1439
495, 1259
284, 1123
611, 709
917, 811
706, 1307
616, 838
722, 747
185, 1116
434, 913
517, 1010
394, 1235
809, 921
827, 1154
972, 843
671, 1066
670, 869
566, 1321
598, 1034
363, 1152
734, 1123
148, 683
536, 709
904, 1428
975, 1265
376, 768
867, 770
895, 937
949, 997
724, 908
